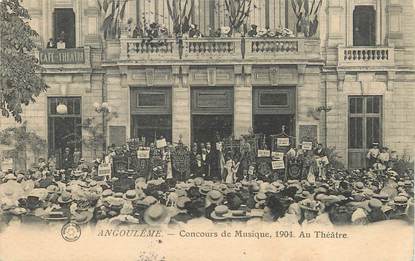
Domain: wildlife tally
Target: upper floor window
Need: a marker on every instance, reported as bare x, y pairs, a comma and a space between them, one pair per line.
64, 28
364, 25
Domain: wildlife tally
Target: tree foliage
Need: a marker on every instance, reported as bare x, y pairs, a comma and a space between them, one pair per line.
114, 11
239, 11
20, 81
306, 12
180, 12
20, 139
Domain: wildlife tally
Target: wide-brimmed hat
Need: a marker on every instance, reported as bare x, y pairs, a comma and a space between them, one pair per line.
359, 186
52, 189
148, 201
82, 217
10, 177
204, 189
383, 197
106, 193
221, 212
214, 196
65, 198
181, 201
303, 194
130, 195
156, 214
400, 201
260, 197
239, 214
311, 205
375, 203
198, 181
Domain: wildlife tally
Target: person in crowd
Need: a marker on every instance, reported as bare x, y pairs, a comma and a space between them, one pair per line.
51, 43
373, 154
67, 159
355, 197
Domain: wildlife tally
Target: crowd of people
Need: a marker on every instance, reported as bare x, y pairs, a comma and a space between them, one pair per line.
45, 194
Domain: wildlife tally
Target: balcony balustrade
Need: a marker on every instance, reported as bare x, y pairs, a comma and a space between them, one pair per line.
205, 49
212, 48
362, 56
274, 48
148, 49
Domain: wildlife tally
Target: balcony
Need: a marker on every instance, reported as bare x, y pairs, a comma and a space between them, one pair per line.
148, 49
273, 48
362, 56
144, 50
211, 48
69, 58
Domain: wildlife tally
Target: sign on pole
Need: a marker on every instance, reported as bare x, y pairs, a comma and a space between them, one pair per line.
104, 169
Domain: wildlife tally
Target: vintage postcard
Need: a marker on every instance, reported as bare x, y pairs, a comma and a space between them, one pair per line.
207, 130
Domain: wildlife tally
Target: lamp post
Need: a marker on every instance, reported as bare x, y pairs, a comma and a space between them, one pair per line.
326, 108
103, 108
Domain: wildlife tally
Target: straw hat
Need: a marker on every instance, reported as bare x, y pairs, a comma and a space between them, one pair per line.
260, 197
221, 212
65, 198
214, 196
204, 189
311, 205
157, 214
130, 195
82, 218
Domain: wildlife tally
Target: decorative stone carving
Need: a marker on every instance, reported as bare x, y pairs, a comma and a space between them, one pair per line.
340, 80
211, 73
150, 76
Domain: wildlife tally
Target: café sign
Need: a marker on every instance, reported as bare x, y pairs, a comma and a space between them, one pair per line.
62, 56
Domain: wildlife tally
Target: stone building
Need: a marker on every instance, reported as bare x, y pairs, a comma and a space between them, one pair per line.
348, 85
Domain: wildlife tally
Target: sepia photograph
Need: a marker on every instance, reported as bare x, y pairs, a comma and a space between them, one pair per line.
158, 130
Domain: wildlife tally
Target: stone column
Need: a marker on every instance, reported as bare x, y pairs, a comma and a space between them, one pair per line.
181, 105
242, 100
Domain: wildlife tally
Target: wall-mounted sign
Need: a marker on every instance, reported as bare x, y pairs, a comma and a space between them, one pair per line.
62, 56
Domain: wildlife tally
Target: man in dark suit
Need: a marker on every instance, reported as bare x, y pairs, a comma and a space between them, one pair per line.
212, 160
67, 159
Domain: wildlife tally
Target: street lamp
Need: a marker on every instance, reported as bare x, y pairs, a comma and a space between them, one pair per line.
326, 108
103, 108
61, 108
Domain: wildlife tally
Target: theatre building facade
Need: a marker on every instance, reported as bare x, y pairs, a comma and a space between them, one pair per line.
335, 87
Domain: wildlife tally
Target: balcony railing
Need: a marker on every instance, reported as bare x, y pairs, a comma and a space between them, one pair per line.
205, 49
148, 49
375, 56
211, 48
273, 47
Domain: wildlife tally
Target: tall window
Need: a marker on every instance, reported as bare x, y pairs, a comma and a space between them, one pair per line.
365, 126
364, 25
64, 26
151, 113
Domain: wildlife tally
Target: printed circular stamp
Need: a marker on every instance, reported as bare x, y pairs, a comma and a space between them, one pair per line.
71, 232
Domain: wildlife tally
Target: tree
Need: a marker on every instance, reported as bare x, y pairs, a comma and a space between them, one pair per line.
21, 139
239, 11
306, 12
114, 11
180, 12
19, 71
